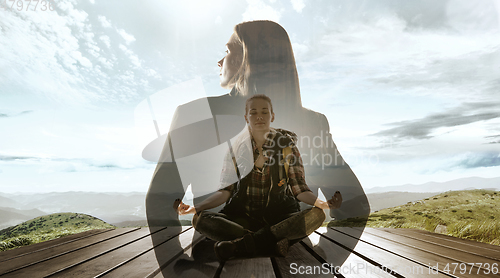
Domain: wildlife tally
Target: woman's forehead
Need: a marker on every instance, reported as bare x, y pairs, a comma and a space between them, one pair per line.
258, 103
233, 41
233, 38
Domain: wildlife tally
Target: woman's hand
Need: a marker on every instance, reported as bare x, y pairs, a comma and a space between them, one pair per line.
183, 209
214, 200
336, 201
309, 198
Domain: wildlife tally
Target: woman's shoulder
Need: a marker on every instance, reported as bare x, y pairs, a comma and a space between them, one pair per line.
312, 116
287, 135
205, 108
284, 132
203, 103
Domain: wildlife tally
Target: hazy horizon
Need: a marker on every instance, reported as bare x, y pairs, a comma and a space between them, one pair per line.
189, 195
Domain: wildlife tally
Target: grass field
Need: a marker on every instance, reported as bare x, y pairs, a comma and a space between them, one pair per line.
48, 227
469, 214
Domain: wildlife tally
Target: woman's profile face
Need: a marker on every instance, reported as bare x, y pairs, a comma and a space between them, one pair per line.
259, 116
230, 64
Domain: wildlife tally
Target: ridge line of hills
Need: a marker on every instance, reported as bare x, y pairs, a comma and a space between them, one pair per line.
128, 209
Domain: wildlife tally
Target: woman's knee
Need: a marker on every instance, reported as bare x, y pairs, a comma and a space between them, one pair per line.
195, 220
205, 220
318, 216
200, 218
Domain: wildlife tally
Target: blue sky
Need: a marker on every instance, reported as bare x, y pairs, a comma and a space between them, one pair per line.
410, 88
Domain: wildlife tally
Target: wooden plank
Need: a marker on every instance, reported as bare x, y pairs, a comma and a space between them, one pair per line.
22, 251
52, 264
37, 257
299, 263
366, 259
469, 246
426, 254
458, 254
455, 255
356, 267
329, 252
133, 261
197, 261
329, 247
148, 264
248, 268
116, 258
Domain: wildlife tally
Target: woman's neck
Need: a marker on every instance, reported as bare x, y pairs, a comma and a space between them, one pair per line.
259, 137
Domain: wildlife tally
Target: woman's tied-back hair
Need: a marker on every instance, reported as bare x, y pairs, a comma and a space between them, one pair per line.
259, 96
268, 65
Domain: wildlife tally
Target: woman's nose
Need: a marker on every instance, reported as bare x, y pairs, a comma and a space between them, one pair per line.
220, 62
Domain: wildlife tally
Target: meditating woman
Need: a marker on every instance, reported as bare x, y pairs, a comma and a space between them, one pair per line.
263, 216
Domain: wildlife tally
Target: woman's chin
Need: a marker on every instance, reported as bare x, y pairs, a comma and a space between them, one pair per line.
226, 85
260, 128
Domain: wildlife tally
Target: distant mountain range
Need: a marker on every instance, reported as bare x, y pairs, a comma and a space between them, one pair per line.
125, 209
111, 207
391, 196
7, 202
384, 200
12, 216
438, 187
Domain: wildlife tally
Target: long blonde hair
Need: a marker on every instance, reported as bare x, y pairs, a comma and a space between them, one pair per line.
268, 65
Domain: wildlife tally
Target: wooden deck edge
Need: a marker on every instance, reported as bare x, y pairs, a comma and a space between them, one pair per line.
55, 240
104, 273
66, 252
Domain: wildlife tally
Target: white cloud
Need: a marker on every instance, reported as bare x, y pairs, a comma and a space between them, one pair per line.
299, 50
126, 36
133, 58
92, 48
62, 57
104, 22
153, 73
105, 62
52, 50
105, 39
386, 56
77, 55
92, 2
258, 10
74, 16
298, 5
467, 16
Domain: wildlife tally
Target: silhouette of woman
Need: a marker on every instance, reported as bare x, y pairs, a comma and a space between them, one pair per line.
259, 60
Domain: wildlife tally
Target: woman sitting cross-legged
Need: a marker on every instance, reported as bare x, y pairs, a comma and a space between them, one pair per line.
262, 216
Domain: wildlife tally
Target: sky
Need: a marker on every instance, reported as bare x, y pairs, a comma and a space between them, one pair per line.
410, 88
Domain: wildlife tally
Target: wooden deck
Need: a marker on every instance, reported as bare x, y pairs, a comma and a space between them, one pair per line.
183, 252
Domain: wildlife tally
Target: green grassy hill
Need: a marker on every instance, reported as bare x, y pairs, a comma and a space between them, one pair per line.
469, 214
49, 227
